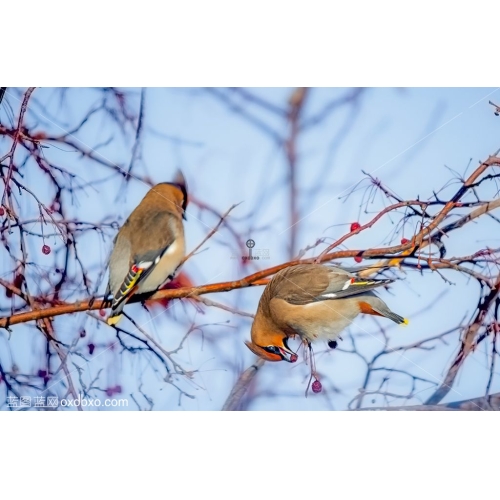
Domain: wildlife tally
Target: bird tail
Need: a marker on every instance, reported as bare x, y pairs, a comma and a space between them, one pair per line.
116, 314
114, 319
385, 311
116, 307
126, 290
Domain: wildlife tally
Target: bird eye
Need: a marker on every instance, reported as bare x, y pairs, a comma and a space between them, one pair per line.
272, 348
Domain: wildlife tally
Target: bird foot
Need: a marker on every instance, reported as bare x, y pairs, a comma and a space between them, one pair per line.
105, 304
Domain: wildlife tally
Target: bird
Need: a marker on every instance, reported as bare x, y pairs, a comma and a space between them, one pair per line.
149, 247
314, 302
497, 108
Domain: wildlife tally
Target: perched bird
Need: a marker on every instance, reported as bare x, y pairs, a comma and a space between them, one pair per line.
149, 246
314, 302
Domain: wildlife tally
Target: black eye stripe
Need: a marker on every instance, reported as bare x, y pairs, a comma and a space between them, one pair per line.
272, 349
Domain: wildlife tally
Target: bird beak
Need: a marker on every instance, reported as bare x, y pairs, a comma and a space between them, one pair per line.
288, 355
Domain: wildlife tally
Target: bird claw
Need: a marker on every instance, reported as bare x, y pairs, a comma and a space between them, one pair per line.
105, 304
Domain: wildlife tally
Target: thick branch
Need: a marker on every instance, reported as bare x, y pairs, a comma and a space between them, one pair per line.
467, 345
476, 404
255, 279
241, 386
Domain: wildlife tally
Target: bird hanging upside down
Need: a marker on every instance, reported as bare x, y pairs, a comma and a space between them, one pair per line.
315, 302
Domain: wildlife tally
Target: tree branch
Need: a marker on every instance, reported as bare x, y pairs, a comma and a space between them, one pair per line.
485, 403
241, 386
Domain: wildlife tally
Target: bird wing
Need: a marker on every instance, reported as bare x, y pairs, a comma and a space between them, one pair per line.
344, 284
303, 284
161, 231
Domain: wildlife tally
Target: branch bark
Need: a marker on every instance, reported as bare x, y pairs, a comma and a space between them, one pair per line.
240, 388
485, 403
467, 345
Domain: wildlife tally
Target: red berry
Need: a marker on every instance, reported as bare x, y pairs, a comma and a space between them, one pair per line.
2, 211
46, 249
18, 283
293, 358
358, 259
110, 391
83, 333
91, 348
404, 241
118, 389
316, 386
102, 313
354, 226
42, 373
18, 280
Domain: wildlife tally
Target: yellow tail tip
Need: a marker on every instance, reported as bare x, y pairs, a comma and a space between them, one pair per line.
113, 320
405, 321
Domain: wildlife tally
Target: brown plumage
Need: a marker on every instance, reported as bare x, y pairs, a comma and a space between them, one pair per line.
314, 302
149, 246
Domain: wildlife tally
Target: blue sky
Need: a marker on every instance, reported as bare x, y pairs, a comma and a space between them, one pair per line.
409, 138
